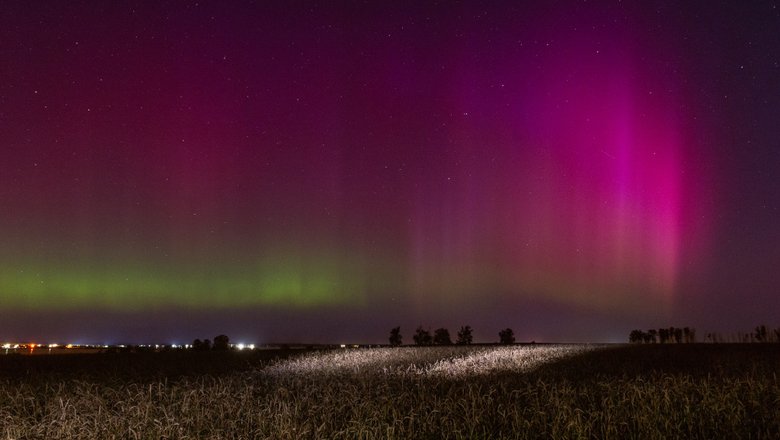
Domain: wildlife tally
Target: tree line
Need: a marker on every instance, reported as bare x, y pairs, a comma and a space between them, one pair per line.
688, 335
221, 343
663, 335
441, 336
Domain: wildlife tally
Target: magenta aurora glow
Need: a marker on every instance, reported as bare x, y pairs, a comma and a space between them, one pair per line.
322, 171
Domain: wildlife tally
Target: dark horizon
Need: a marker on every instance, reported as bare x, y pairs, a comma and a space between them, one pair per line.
340, 327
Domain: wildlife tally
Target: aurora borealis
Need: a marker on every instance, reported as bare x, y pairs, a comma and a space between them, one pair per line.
326, 170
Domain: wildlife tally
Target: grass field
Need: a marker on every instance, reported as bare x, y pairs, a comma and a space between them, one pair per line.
530, 391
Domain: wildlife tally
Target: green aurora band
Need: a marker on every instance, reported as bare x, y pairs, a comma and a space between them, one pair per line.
286, 280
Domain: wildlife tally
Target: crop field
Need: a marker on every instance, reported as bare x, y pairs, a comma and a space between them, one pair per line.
521, 391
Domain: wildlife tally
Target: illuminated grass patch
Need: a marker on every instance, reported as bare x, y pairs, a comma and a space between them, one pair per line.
450, 361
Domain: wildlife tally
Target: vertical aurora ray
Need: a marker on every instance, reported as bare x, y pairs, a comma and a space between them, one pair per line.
586, 204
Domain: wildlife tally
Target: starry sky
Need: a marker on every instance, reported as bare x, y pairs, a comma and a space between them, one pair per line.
323, 171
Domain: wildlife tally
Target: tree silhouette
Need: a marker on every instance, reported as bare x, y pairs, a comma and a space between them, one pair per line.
761, 333
422, 336
205, 345
678, 334
221, 343
395, 337
636, 336
464, 335
201, 345
442, 337
506, 336
663, 335
689, 335
652, 334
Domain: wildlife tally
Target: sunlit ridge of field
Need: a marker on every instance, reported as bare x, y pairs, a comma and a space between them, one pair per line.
523, 391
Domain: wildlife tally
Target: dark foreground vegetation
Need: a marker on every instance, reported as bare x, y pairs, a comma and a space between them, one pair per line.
541, 391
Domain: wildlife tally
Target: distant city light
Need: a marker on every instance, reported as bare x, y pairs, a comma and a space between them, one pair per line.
31, 346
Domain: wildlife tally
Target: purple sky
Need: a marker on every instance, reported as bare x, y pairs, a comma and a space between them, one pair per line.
324, 171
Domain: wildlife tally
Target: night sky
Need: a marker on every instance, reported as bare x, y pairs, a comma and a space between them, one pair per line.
324, 171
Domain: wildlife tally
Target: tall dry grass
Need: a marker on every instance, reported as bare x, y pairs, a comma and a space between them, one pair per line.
452, 392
